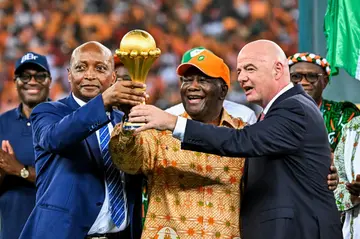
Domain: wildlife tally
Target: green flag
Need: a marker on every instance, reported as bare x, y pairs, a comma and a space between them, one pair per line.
342, 32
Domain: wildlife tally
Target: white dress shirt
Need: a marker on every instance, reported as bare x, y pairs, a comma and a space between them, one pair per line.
282, 91
104, 223
180, 126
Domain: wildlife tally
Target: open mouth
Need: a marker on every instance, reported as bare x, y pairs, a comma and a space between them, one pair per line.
248, 89
195, 99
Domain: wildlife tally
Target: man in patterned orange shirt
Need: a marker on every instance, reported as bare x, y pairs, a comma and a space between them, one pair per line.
192, 195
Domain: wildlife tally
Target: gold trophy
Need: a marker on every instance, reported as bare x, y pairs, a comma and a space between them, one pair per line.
137, 52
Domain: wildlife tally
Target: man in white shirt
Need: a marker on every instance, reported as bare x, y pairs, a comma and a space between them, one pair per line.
286, 193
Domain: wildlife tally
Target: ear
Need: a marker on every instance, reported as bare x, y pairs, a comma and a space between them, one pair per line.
325, 81
69, 75
279, 70
113, 77
224, 91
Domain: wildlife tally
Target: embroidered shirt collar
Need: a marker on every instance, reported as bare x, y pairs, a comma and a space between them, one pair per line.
225, 120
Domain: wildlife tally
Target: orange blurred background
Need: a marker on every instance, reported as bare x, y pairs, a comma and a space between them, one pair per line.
55, 28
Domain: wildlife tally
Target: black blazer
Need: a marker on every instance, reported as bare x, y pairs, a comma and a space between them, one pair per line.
286, 193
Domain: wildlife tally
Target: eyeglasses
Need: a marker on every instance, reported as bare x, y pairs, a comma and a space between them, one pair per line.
310, 77
39, 77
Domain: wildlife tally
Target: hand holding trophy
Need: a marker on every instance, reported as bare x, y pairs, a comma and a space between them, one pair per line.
137, 52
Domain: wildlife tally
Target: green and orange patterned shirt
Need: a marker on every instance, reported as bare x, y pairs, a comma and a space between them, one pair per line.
347, 162
336, 115
191, 194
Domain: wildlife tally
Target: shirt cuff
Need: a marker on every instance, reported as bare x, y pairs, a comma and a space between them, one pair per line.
108, 114
180, 127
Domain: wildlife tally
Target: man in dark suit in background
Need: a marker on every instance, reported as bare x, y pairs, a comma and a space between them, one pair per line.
80, 193
286, 194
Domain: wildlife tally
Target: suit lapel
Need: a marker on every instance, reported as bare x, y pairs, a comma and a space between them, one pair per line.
116, 117
297, 89
94, 148
70, 101
93, 142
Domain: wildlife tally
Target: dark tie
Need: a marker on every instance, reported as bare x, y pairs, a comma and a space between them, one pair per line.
262, 116
113, 180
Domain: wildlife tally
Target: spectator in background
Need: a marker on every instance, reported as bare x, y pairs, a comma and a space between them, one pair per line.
312, 72
17, 160
347, 194
54, 28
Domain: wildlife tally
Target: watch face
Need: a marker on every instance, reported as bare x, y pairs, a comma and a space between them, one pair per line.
24, 173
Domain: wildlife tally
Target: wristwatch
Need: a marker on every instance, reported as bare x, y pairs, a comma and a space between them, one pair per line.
24, 173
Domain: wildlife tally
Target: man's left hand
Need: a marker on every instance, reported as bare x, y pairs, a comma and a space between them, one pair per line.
354, 190
153, 117
8, 162
333, 178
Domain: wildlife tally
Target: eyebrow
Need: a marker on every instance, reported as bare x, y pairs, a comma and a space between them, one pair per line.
250, 64
245, 66
86, 63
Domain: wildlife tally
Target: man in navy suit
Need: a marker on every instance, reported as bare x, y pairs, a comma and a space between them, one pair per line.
286, 193
80, 193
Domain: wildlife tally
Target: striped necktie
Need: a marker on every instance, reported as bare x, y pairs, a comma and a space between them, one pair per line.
113, 180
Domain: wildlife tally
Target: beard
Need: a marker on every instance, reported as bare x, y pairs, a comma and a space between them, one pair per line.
32, 100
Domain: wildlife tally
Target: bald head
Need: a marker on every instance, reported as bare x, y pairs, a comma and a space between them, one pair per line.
265, 50
91, 70
262, 71
93, 46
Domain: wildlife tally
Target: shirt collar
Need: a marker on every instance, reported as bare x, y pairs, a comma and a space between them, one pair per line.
19, 113
225, 120
283, 90
80, 102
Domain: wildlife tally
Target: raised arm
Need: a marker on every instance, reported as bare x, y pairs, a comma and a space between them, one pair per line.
55, 132
281, 132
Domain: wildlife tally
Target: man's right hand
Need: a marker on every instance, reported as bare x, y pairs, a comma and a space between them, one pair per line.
129, 93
